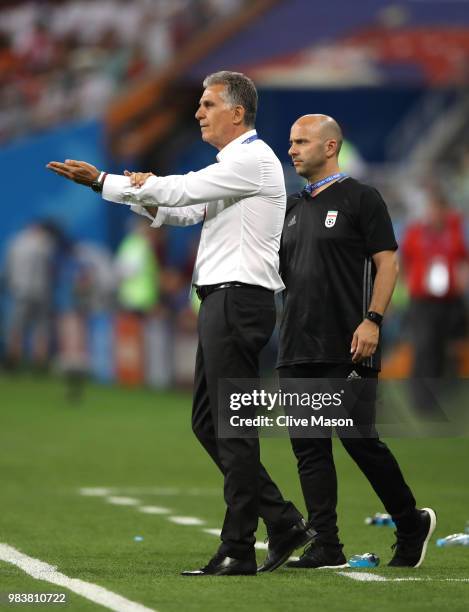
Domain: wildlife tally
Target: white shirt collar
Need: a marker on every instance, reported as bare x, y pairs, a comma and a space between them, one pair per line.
227, 148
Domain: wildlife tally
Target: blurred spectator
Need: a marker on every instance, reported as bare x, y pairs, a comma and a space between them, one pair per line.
29, 282
73, 291
52, 68
460, 183
156, 38
37, 48
138, 270
9, 61
96, 283
435, 259
174, 290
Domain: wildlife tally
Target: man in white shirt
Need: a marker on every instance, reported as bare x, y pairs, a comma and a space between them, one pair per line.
241, 202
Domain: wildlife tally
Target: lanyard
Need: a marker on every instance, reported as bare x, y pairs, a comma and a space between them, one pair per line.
313, 186
250, 139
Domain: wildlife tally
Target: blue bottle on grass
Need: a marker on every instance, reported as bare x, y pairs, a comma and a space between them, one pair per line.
380, 520
455, 539
366, 560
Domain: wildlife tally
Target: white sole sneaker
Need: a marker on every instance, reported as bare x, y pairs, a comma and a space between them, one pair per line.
333, 566
431, 529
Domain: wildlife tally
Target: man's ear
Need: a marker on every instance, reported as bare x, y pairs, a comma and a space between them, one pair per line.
331, 147
238, 114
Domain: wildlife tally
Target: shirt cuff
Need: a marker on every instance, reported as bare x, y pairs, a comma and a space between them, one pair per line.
160, 218
117, 188
114, 187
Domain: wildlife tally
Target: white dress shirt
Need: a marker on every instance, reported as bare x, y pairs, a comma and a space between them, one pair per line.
241, 201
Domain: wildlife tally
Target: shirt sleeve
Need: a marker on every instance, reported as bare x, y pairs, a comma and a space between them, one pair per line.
190, 215
170, 216
231, 178
375, 223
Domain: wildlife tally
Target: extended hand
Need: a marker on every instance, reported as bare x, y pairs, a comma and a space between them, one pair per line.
364, 341
77, 171
137, 179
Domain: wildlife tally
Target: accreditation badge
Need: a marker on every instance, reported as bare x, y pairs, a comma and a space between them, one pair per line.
331, 218
437, 279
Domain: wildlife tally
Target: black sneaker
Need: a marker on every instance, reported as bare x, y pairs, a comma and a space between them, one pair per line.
410, 548
319, 556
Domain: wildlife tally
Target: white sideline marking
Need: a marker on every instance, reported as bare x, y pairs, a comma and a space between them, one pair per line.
95, 491
122, 501
368, 577
159, 510
428, 579
163, 491
185, 520
214, 532
43, 571
364, 576
153, 510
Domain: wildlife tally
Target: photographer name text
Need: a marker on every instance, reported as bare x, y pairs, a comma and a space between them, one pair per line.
289, 421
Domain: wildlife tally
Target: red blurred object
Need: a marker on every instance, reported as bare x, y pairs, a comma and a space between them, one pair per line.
442, 53
129, 347
423, 245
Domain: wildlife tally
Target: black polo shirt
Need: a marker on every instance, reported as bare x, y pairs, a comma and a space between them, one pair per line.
326, 265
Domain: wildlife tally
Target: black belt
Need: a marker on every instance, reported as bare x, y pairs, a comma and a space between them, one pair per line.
205, 290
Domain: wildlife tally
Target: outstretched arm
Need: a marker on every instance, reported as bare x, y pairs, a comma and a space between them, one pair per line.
235, 177
85, 174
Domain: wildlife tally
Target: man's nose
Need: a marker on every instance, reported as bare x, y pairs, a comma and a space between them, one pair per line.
198, 114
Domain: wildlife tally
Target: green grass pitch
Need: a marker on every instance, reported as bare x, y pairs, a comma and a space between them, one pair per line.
139, 443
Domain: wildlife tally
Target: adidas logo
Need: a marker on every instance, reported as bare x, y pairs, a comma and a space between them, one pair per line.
292, 221
353, 375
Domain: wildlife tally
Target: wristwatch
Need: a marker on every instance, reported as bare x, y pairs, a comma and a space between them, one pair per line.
97, 185
375, 317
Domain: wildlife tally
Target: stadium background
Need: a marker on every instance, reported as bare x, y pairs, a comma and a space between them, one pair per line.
106, 405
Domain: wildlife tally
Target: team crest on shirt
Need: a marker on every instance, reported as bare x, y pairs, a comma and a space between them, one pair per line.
331, 218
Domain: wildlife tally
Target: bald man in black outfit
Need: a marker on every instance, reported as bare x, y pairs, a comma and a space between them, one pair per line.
339, 266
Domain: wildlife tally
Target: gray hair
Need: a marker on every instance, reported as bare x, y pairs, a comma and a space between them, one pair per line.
239, 90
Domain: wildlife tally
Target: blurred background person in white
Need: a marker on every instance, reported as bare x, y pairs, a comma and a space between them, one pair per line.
29, 282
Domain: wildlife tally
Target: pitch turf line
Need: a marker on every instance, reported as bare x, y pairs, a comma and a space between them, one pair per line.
122, 501
154, 510
163, 491
363, 576
368, 577
186, 520
43, 571
130, 501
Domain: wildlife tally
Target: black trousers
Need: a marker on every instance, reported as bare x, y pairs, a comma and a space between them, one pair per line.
234, 324
316, 466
